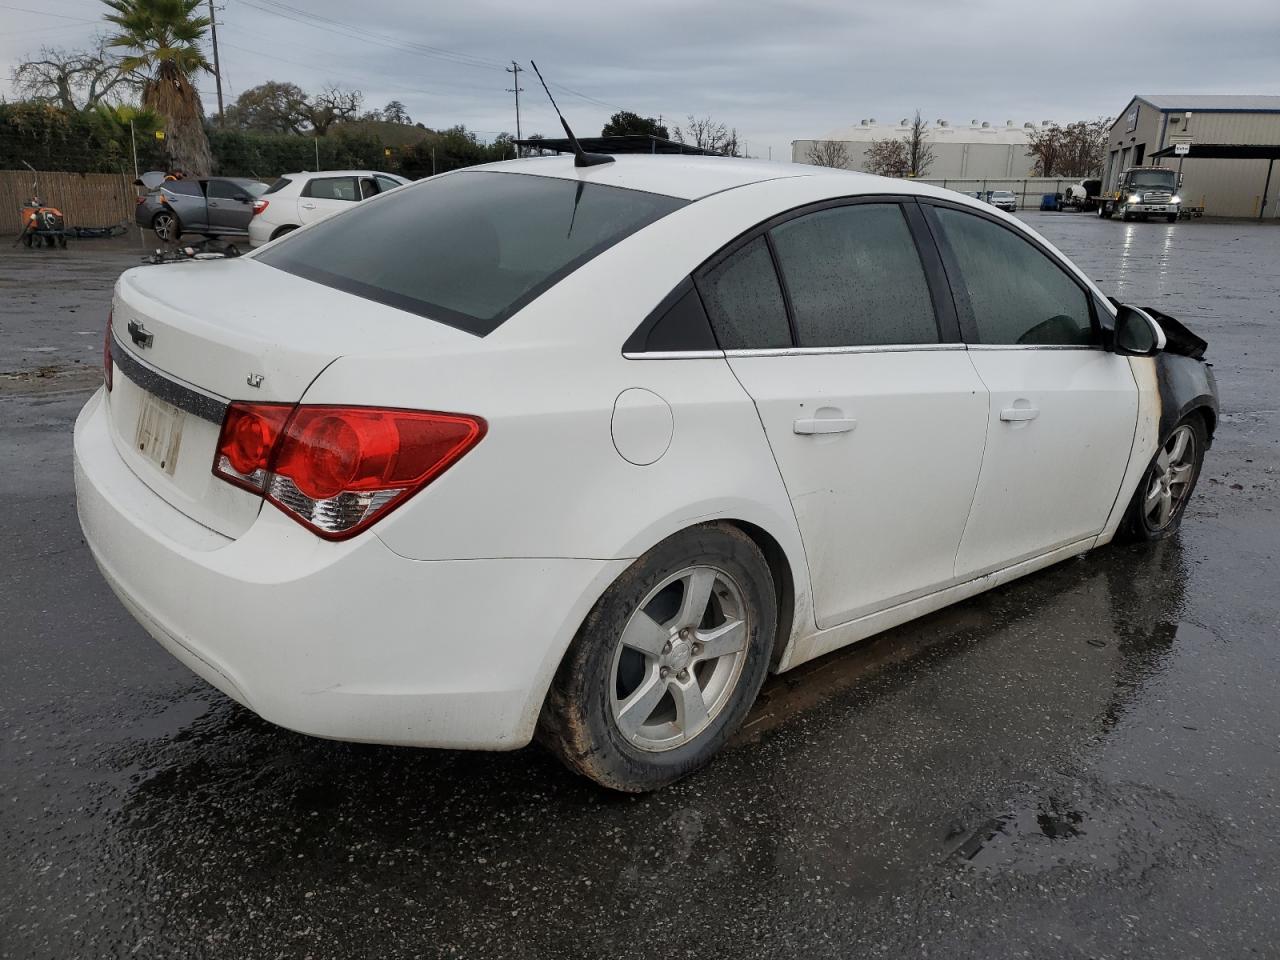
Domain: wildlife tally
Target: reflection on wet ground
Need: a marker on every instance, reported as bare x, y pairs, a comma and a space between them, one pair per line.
1082, 763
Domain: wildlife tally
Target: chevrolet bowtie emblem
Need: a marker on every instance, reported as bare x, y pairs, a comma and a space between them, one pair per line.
138, 333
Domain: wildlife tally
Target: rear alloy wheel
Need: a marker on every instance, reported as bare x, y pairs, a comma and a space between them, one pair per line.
667, 663
1161, 498
166, 227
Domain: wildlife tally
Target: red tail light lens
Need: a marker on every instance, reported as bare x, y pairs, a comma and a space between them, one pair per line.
107, 370
337, 470
259, 206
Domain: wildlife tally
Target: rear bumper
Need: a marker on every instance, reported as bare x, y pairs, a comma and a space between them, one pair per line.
259, 231
342, 640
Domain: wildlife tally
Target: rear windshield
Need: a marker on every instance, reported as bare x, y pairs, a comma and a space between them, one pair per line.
255, 188
468, 249
279, 185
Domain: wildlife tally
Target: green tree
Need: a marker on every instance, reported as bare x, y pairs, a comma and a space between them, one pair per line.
625, 123
271, 107
161, 39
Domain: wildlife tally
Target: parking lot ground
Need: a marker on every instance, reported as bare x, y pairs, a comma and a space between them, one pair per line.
1084, 763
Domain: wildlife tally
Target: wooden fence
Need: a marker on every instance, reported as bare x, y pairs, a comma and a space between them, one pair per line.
85, 199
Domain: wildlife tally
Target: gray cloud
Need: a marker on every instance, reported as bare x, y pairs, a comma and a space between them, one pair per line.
776, 71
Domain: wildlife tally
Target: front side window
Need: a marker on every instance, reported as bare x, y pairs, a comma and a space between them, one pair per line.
854, 278
744, 301
1016, 294
332, 188
468, 249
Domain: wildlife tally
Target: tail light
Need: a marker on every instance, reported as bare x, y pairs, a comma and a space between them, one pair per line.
259, 206
106, 355
337, 470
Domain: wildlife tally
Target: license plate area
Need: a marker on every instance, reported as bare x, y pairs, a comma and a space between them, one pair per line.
158, 436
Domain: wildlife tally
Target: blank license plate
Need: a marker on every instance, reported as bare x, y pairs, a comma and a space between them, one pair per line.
159, 433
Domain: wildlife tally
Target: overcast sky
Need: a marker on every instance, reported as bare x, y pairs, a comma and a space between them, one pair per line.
777, 71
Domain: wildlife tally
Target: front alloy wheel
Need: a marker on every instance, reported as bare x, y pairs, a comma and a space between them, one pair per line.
1170, 478
1158, 504
667, 663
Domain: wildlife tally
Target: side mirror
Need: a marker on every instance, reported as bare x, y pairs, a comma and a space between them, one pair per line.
1137, 334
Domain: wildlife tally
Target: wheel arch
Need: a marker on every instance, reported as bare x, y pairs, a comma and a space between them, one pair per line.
281, 230
784, 585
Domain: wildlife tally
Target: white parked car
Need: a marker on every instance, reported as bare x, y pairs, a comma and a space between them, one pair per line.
1005, 200
585, 452
297, 199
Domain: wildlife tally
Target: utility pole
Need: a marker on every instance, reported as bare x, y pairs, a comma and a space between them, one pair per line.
515, 70
217, 67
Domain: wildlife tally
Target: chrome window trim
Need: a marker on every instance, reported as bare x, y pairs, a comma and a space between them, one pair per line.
822, 351
676, 355
1038, 346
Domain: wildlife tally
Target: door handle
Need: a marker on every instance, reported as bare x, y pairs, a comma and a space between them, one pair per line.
308, 206
1018, 414
813, 425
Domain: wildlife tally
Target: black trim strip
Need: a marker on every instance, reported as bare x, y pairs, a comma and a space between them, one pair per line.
170, 391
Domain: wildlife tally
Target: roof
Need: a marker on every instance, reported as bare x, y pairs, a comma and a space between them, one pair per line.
689, 178
341, 173
630, 143
1212, 103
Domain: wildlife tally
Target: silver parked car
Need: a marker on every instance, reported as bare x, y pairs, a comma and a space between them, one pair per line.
213, 206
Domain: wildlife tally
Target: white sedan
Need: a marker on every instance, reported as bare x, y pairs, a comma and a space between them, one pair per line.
584, 452
297, 199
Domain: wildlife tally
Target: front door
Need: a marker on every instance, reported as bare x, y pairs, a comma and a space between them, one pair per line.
1062, 409
874, 413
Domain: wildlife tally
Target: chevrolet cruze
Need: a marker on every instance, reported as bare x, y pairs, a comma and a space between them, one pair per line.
583, 452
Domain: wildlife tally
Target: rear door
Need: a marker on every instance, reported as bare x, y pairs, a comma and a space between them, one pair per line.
1062, 409
230, 206
324, 196
875, 416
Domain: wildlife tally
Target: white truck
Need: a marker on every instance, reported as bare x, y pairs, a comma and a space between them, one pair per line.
1142, 193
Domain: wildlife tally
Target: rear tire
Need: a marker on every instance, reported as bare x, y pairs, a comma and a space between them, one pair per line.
167, 227
1156, 510
667, 663
282, 231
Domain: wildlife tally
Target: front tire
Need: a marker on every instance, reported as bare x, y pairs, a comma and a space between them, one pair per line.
667, 663
1156, 510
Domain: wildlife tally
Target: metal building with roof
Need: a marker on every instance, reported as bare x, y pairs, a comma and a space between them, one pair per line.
1225, 146
973, 150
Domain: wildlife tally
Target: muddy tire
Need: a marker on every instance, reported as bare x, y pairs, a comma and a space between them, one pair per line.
666, 664
1156, 510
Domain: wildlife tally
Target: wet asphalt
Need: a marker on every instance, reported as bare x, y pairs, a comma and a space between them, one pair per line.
1084, 763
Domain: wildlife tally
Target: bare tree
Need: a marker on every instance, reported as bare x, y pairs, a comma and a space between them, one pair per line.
330, 106
708, 134
888, 158
1076, 150
919, 150
828, 153
72, 79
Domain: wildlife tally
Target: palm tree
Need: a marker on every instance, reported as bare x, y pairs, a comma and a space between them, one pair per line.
161, 40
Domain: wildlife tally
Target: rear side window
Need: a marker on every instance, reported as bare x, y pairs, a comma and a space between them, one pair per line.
189, 188
279, 185
1015, 294
331, 188
386, 183
468, 249
854, 278
744, 300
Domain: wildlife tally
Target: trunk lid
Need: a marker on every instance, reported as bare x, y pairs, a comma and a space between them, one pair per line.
191, 337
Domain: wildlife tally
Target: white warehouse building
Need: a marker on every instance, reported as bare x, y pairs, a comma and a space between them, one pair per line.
976, 150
